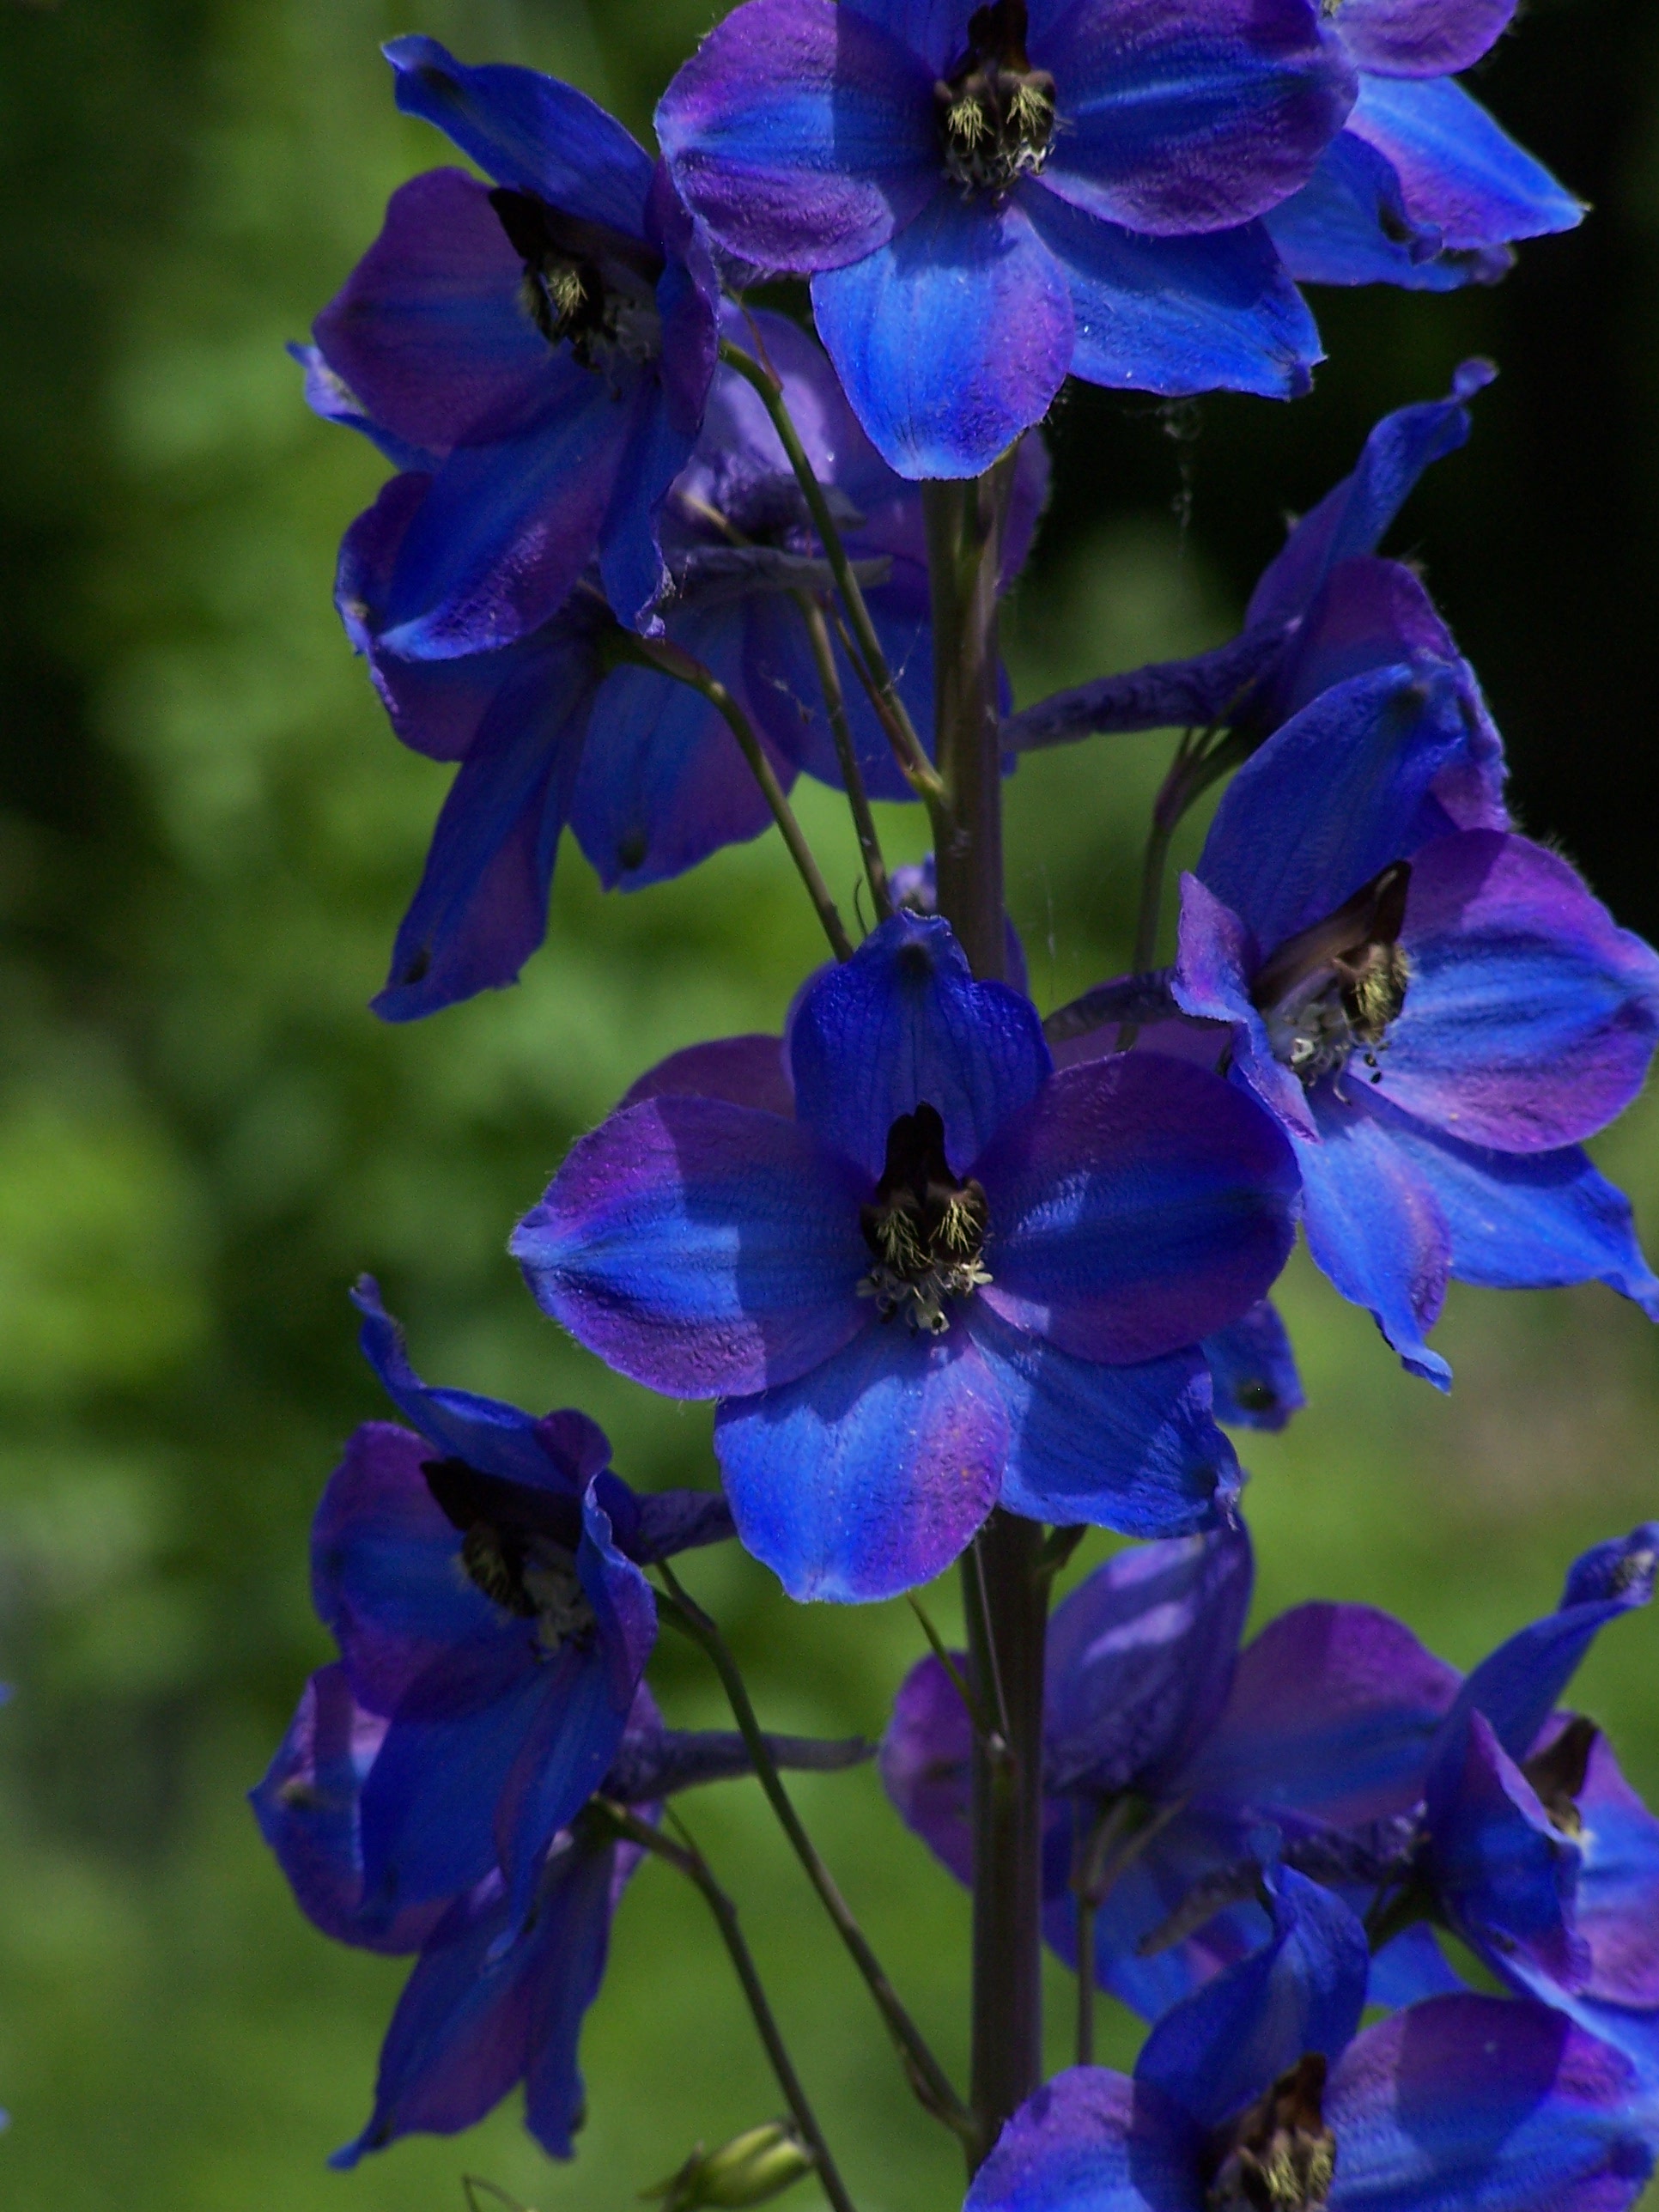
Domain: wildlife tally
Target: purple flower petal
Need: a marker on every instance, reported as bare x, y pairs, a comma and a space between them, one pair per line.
903, 1023
1457, 168
1375, 1227
1091, 2141
953, 337
662, 782
1216, 958
1133, 1448
328, 395
1348, 225
1218, 2050
1253, 1368
307, 1809
428, 331
870, 1474
926, 1759
1194, 121
748, 1071
1617, 1902
1139, 1660
1353, 515
1530, 1018
507, 528
1166, 694
631, 566
702, 1249
935, 29
1136, 1205
1178, 315
1422, 38
1331, 1713
801, 133
1484, 2095
529, 131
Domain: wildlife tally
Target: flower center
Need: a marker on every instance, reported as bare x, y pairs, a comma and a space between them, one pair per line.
996, 113
1334, 988
1558, 1772
585, 285
522, 1571
1278, 2155
925, 1226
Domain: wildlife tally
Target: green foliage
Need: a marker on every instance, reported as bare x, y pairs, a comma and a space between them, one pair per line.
208, 837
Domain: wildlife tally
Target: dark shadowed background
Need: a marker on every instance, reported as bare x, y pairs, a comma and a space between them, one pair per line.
206, 834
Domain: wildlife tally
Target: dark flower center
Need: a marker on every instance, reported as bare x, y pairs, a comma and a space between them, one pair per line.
1278, 2155
1333, 989
996, 113
520, 1569
1558, 1772
925, 1226
585, 285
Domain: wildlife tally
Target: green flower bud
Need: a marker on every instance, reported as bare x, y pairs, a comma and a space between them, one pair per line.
758, 2164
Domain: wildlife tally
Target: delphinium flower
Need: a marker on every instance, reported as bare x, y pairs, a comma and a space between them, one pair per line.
1324, 611
949, 1277
1168, 1753
546, 344
554, 729
1261, 2091
435, 1793
989, 198
1421, 187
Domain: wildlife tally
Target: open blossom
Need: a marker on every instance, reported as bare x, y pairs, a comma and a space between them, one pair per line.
1261, 2091
987, 198
543, 349
922, 1273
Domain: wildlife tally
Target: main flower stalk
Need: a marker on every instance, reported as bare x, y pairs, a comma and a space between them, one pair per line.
1005, 1590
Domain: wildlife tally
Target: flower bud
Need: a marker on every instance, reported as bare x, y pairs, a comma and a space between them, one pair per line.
758, 2164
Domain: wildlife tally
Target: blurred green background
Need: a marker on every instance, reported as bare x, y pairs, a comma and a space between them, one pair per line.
206, 834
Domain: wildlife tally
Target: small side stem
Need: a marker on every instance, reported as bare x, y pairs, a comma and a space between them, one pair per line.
690, 1862
927, 2077
669, 660
1085, 1979
1197, 764
823, 655
884, 690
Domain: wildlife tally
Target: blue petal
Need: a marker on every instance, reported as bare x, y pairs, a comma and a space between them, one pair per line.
1139, 1660
704, 1249
327, 394
952, 338
870, 1474
1253, 1369
507, 528
1457, 168
662, 782
1304, 1991
1353, 514
935, 29
1133, 1448
1410, 1967
927, 1765
1211, 687
1348, 225
1472, 2099
529, 131
630, 559
902, 1023
1090, 2141
1524, 1221
1519, 1685
493, 1438
1375, 1227
1178, 315
1333, 797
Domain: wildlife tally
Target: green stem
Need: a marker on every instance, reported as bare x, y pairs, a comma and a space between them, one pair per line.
691, 1863
926, 2077
669, 660
1197, 764
884, 691
864, 822
984, 1729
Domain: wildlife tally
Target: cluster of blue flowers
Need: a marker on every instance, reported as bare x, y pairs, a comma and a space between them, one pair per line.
651, 552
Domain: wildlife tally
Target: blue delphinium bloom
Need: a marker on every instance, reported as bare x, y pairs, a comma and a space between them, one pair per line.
546, 344
1323, 612
1421, 187
1167, 1752
550, 730
946, 1277
494, 1997
1260, 2091
989, 198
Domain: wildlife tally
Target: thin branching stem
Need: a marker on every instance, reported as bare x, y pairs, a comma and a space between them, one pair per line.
690, 1862
1199, 761
1086, 1909
984, 1729
858, 798
926, 2077
669, 660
